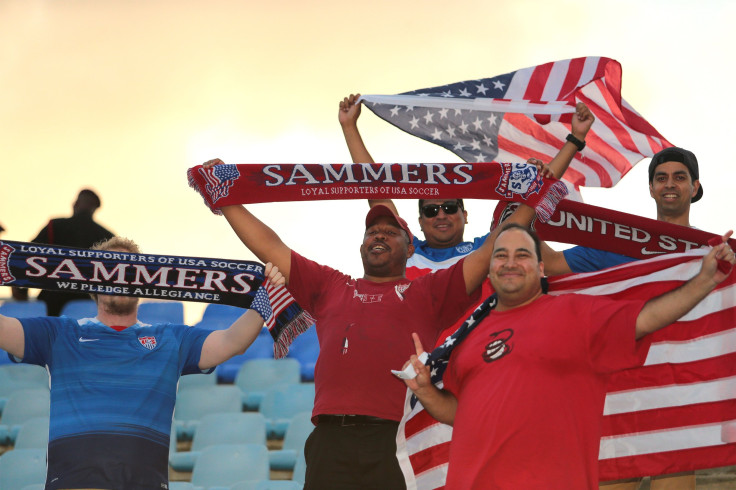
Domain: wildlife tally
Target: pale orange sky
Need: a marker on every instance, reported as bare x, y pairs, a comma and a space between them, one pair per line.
124, 96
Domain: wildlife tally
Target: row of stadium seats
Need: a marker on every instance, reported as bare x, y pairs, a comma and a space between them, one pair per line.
219, 467
271, 386
304, 349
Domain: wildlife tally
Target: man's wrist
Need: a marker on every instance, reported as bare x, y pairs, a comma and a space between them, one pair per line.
578, 142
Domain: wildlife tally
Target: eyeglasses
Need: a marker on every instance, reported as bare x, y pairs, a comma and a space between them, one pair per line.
432, 210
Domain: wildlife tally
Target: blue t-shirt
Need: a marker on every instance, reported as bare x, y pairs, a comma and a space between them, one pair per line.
112, 397
585, 259
427, 259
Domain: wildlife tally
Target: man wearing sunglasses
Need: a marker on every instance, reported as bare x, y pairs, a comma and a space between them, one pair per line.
442, 221
364, 326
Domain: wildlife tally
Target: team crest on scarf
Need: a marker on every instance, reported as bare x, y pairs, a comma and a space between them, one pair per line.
5, 252
219, 179
519, 178
148, 342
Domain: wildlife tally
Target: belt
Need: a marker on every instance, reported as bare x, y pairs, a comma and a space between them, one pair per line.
348, 420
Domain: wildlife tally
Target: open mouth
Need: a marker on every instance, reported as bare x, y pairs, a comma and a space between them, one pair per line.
378, 248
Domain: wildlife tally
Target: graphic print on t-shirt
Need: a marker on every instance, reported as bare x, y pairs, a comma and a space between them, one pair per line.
499, 346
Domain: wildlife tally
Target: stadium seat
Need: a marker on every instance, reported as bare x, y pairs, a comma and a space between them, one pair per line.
305, 349
161, 312
23, 309
261, 348
199, 380
20, 468
36, 486
300, 469
221, 428
15, 377
80, 308
257, 376
180, 485
221, 313
274, 485
21, 406
192, 405
33, 434
228, 464
296, 435
282, 403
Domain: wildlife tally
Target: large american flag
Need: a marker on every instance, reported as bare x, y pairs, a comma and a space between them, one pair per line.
527, 113
676, 413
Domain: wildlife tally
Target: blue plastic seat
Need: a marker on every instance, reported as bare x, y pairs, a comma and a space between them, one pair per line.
192, 405
161, 312
275, 485
221, 313
180, 485
227, 464
20, 468
23, 405
15, 377
23, 309
261, 348
256, 376
198, 380
305, 349
80, 308
296, 435
33, 434
221, 428
300, 469
282, 403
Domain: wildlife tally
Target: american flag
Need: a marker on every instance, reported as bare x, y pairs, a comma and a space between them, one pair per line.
280, 299
527, 113
676, 413
219, 179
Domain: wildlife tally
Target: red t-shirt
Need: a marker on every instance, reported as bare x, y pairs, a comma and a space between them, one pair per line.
364, 330
530, 384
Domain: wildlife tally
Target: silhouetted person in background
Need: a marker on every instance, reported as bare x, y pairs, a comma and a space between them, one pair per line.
78, 231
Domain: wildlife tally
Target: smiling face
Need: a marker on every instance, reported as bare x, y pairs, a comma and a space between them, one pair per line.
385, 249
672, 188
515, 270
444, 230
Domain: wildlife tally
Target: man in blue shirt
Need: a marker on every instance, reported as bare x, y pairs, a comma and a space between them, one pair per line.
673, 184
443, 221
113, 384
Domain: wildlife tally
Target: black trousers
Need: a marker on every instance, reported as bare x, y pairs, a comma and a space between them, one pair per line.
357, 457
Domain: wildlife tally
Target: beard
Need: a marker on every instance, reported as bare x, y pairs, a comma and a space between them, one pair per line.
118, 305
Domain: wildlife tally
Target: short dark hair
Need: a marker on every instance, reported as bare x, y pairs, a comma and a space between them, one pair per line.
528, 231
459, 203
90, 197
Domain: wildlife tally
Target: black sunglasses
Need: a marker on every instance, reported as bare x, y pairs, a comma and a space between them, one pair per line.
432, 210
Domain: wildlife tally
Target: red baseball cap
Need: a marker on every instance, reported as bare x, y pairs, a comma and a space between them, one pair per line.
381, 210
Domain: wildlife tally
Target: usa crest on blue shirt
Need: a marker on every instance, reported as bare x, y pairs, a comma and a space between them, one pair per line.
148, 342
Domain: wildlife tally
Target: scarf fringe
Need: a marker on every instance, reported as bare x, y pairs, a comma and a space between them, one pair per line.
195, 184
546, 207
283, 338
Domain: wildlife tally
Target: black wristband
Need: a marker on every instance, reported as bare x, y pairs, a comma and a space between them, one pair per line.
572, 139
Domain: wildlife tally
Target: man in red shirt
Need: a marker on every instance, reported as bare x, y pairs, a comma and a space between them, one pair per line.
525, 390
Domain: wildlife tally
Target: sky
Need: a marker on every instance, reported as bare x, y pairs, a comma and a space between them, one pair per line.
122, 96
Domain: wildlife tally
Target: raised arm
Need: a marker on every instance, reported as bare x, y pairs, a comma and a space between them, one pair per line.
440, 404
475, 266
554, 261
256, 235
348, 117
221, 345
669, 307
12, 339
